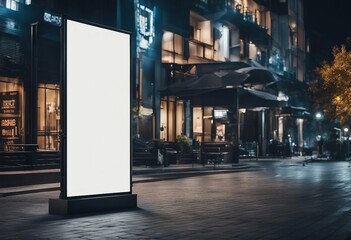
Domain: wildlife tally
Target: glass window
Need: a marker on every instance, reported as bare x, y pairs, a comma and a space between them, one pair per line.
179, 118
12, 4
197, 123
171, 120
167, 41
208, 120
178, 44
222, 43
172, 48
11, 117
163, 119
49, 117
252, 51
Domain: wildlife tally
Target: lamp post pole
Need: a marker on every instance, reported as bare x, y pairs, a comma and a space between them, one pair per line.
348, 146
346, 132
319, 117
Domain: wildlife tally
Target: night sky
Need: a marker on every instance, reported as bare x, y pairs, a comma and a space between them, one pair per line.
328, 24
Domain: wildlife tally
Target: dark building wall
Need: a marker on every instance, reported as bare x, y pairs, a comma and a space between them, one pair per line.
41, 64
125, 15
11, 56
175, 16
280, 7
101, 12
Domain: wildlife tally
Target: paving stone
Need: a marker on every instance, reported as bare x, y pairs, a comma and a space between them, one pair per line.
279, 201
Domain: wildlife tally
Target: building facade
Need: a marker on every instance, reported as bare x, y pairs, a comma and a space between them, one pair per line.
30, 68
205, 36
260, 42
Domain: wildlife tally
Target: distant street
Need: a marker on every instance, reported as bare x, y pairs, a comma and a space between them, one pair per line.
281, 200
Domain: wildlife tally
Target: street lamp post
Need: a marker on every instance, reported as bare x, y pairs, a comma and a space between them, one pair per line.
319, 117
346, 132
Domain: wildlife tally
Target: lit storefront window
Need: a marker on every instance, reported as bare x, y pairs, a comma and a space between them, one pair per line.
172, 48
252, 51
172, 118
221, 42
201, 41
208, 121
210, 124
49, 117
163, 119
12, 4
11, 116
179, 118
197, 123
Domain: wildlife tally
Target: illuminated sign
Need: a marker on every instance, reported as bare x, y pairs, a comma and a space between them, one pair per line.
52, 18
9, 102
8, 127
220, 113
98, 157
145, 25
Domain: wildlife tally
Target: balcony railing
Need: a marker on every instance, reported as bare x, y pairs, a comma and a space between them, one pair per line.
244, 13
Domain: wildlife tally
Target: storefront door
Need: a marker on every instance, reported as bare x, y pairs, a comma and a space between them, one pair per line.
49, 117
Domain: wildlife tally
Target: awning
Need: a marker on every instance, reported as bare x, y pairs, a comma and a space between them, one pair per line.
206, 83
298, 112
250, 98
257, 75
217, 76
220, 87
287, 85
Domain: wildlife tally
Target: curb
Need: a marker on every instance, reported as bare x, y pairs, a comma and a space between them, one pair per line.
176, 175
138, 178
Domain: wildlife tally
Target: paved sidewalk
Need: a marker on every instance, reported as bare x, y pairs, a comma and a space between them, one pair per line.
283, 200
140, 174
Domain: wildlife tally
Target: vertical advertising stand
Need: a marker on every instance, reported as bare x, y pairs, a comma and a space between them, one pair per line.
96, 117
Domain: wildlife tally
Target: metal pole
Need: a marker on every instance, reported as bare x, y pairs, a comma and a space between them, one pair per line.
348, 148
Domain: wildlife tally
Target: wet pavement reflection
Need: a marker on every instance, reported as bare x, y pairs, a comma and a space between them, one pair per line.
280, 200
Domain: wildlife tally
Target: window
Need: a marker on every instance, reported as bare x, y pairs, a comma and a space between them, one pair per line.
221, 43
163, 119
11, 117
49, 127
208, 121
172, 48
172, 118
179, 117
12, 4
197, 123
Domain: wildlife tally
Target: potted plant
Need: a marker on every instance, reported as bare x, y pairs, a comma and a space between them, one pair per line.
183, 142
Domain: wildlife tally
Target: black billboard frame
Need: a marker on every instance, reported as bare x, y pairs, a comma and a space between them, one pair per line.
65, 205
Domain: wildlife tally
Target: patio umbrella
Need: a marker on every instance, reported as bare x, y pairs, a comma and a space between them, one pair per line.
206, 83
251, 98
288, 85
257, 75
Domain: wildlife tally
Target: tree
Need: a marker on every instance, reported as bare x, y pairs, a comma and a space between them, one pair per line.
333, 90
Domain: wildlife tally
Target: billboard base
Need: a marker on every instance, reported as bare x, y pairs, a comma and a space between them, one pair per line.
92, 204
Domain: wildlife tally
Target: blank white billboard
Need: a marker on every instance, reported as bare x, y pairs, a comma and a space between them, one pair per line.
98, 110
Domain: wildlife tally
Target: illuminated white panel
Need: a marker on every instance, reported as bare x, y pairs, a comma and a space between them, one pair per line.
98, 110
